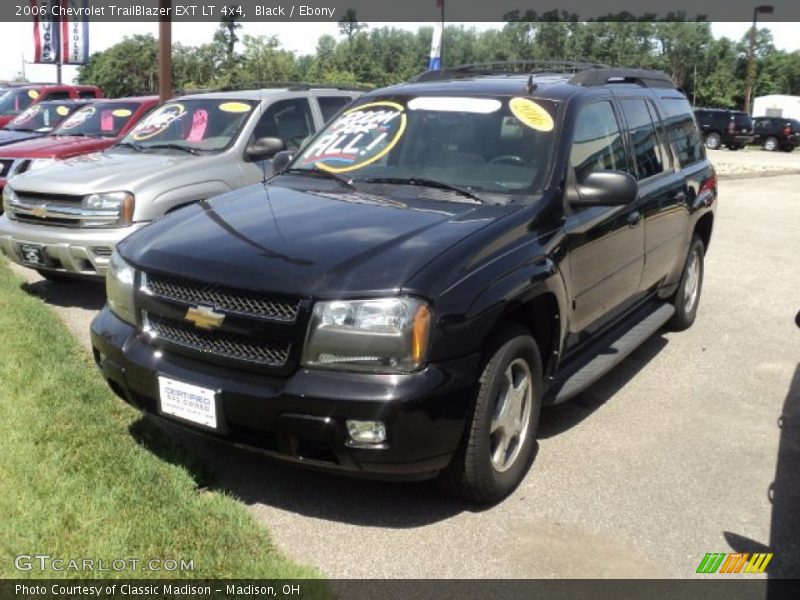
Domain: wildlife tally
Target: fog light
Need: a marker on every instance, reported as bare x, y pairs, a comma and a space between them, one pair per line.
367, 432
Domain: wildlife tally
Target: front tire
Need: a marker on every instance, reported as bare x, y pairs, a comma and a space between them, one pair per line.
687, 298
770, 144
500, 440
735, 147
713, 141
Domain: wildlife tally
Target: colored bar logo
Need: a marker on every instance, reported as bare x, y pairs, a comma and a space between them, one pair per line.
739, 562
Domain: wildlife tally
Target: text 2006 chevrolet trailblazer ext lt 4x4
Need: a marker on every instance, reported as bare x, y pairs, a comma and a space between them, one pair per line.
440, 261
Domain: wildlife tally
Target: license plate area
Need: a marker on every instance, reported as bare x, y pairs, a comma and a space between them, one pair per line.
32, 254
187, 402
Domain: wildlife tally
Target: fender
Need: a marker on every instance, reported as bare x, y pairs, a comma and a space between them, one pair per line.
184, 195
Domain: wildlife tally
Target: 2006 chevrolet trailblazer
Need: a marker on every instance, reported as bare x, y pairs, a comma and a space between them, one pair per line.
444, 258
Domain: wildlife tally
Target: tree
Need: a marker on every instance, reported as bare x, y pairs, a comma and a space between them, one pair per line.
127, 68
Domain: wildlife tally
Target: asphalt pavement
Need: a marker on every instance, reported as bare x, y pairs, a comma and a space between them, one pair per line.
691, 445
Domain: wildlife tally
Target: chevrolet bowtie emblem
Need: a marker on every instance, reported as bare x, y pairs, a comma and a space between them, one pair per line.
40, 211
204, 317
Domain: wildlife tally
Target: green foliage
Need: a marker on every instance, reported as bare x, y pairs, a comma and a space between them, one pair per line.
711, 71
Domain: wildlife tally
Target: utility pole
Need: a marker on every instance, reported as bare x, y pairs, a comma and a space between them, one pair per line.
165, 51
766, 9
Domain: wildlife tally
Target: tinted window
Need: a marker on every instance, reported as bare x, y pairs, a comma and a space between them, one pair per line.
647, 150
41, 117
15, 101
289, 120
57, 96
87, 94
99, 118
682, 131
330, 105
597, 142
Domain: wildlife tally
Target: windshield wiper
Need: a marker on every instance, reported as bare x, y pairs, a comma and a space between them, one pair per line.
76, 134
172, 147
322, 173
424, 182
131, 145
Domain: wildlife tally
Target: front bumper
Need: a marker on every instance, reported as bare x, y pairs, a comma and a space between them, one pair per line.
83, 252
301, 418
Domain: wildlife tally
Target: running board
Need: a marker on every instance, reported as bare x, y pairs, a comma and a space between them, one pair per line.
606, 356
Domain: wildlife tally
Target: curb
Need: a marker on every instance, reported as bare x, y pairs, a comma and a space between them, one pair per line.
758, 174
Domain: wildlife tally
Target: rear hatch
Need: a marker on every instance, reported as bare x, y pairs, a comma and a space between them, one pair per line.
741, 123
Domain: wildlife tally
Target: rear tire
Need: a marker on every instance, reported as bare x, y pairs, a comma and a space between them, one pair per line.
500, 440
713, 141
788, 148
770, 144
687, 298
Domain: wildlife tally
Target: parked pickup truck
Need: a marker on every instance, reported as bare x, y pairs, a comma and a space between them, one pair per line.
95, 127
444, 258
38, 120
66, 219
17, 99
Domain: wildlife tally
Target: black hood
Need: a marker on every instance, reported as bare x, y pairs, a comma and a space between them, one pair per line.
11, 136
306, 243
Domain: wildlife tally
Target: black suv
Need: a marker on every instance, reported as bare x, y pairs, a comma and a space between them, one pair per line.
720, 126
776, 133
439, 262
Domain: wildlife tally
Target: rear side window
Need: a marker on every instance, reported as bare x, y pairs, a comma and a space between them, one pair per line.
330, 105
597, 142
647, 149
682, 131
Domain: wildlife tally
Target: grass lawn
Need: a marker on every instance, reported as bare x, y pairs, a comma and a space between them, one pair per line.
74, 483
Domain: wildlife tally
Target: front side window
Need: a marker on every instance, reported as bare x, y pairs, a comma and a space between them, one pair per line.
490, 144
98, 119
647, 150
597, 141
289, 120
193, 125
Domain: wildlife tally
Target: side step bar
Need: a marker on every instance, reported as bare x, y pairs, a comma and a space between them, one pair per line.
606, 356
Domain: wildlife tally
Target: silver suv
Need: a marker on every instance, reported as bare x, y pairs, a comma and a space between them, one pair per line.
66, 219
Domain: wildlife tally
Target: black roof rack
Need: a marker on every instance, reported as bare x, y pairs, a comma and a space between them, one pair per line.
603, 76
583, 73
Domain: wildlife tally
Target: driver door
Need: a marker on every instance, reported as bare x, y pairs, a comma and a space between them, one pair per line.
605, 244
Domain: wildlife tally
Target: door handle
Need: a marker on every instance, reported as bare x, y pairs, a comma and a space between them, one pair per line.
634, 218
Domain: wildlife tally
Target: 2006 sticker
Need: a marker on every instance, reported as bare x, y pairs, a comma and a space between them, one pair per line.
79, 118
159, 121
531, 114
360, 136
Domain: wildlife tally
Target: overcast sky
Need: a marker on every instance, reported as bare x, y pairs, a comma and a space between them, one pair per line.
298, 37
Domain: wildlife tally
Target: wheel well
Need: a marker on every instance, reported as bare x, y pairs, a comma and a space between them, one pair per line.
180, 206
703, 229
540, 316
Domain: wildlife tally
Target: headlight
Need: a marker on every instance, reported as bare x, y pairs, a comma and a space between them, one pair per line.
9, 196
119, 288
117, 204
388, 335
39, 163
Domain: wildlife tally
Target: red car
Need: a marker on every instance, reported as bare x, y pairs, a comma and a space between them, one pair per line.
92, 128
14, 100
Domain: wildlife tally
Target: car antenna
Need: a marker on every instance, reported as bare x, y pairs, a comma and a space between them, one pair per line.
530, 86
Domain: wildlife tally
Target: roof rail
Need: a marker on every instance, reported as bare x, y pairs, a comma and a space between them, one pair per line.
290, 85
509, 67
604, 76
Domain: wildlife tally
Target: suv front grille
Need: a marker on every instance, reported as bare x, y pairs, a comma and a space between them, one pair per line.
236, 301
219, 343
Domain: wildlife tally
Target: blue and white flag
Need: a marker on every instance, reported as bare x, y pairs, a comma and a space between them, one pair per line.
45, 32
74, 36
435, 62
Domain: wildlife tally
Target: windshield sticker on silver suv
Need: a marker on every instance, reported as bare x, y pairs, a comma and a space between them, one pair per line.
159, 121
531, 114
360, 136
78, 118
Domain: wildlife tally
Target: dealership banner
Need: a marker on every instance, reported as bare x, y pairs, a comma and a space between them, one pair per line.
46, 33
74, 33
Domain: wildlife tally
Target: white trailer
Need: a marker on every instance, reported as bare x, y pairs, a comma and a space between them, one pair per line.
777, 105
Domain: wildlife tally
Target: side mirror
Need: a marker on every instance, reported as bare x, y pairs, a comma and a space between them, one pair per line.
263, 148
604, 188
281, 160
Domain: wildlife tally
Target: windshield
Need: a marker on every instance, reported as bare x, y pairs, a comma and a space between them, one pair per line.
41, 117
15, 101
498, 145
200, 124
98, 119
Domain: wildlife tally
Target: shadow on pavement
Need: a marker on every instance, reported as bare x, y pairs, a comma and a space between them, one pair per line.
79, 293
561, 417
784, 495
255, 479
